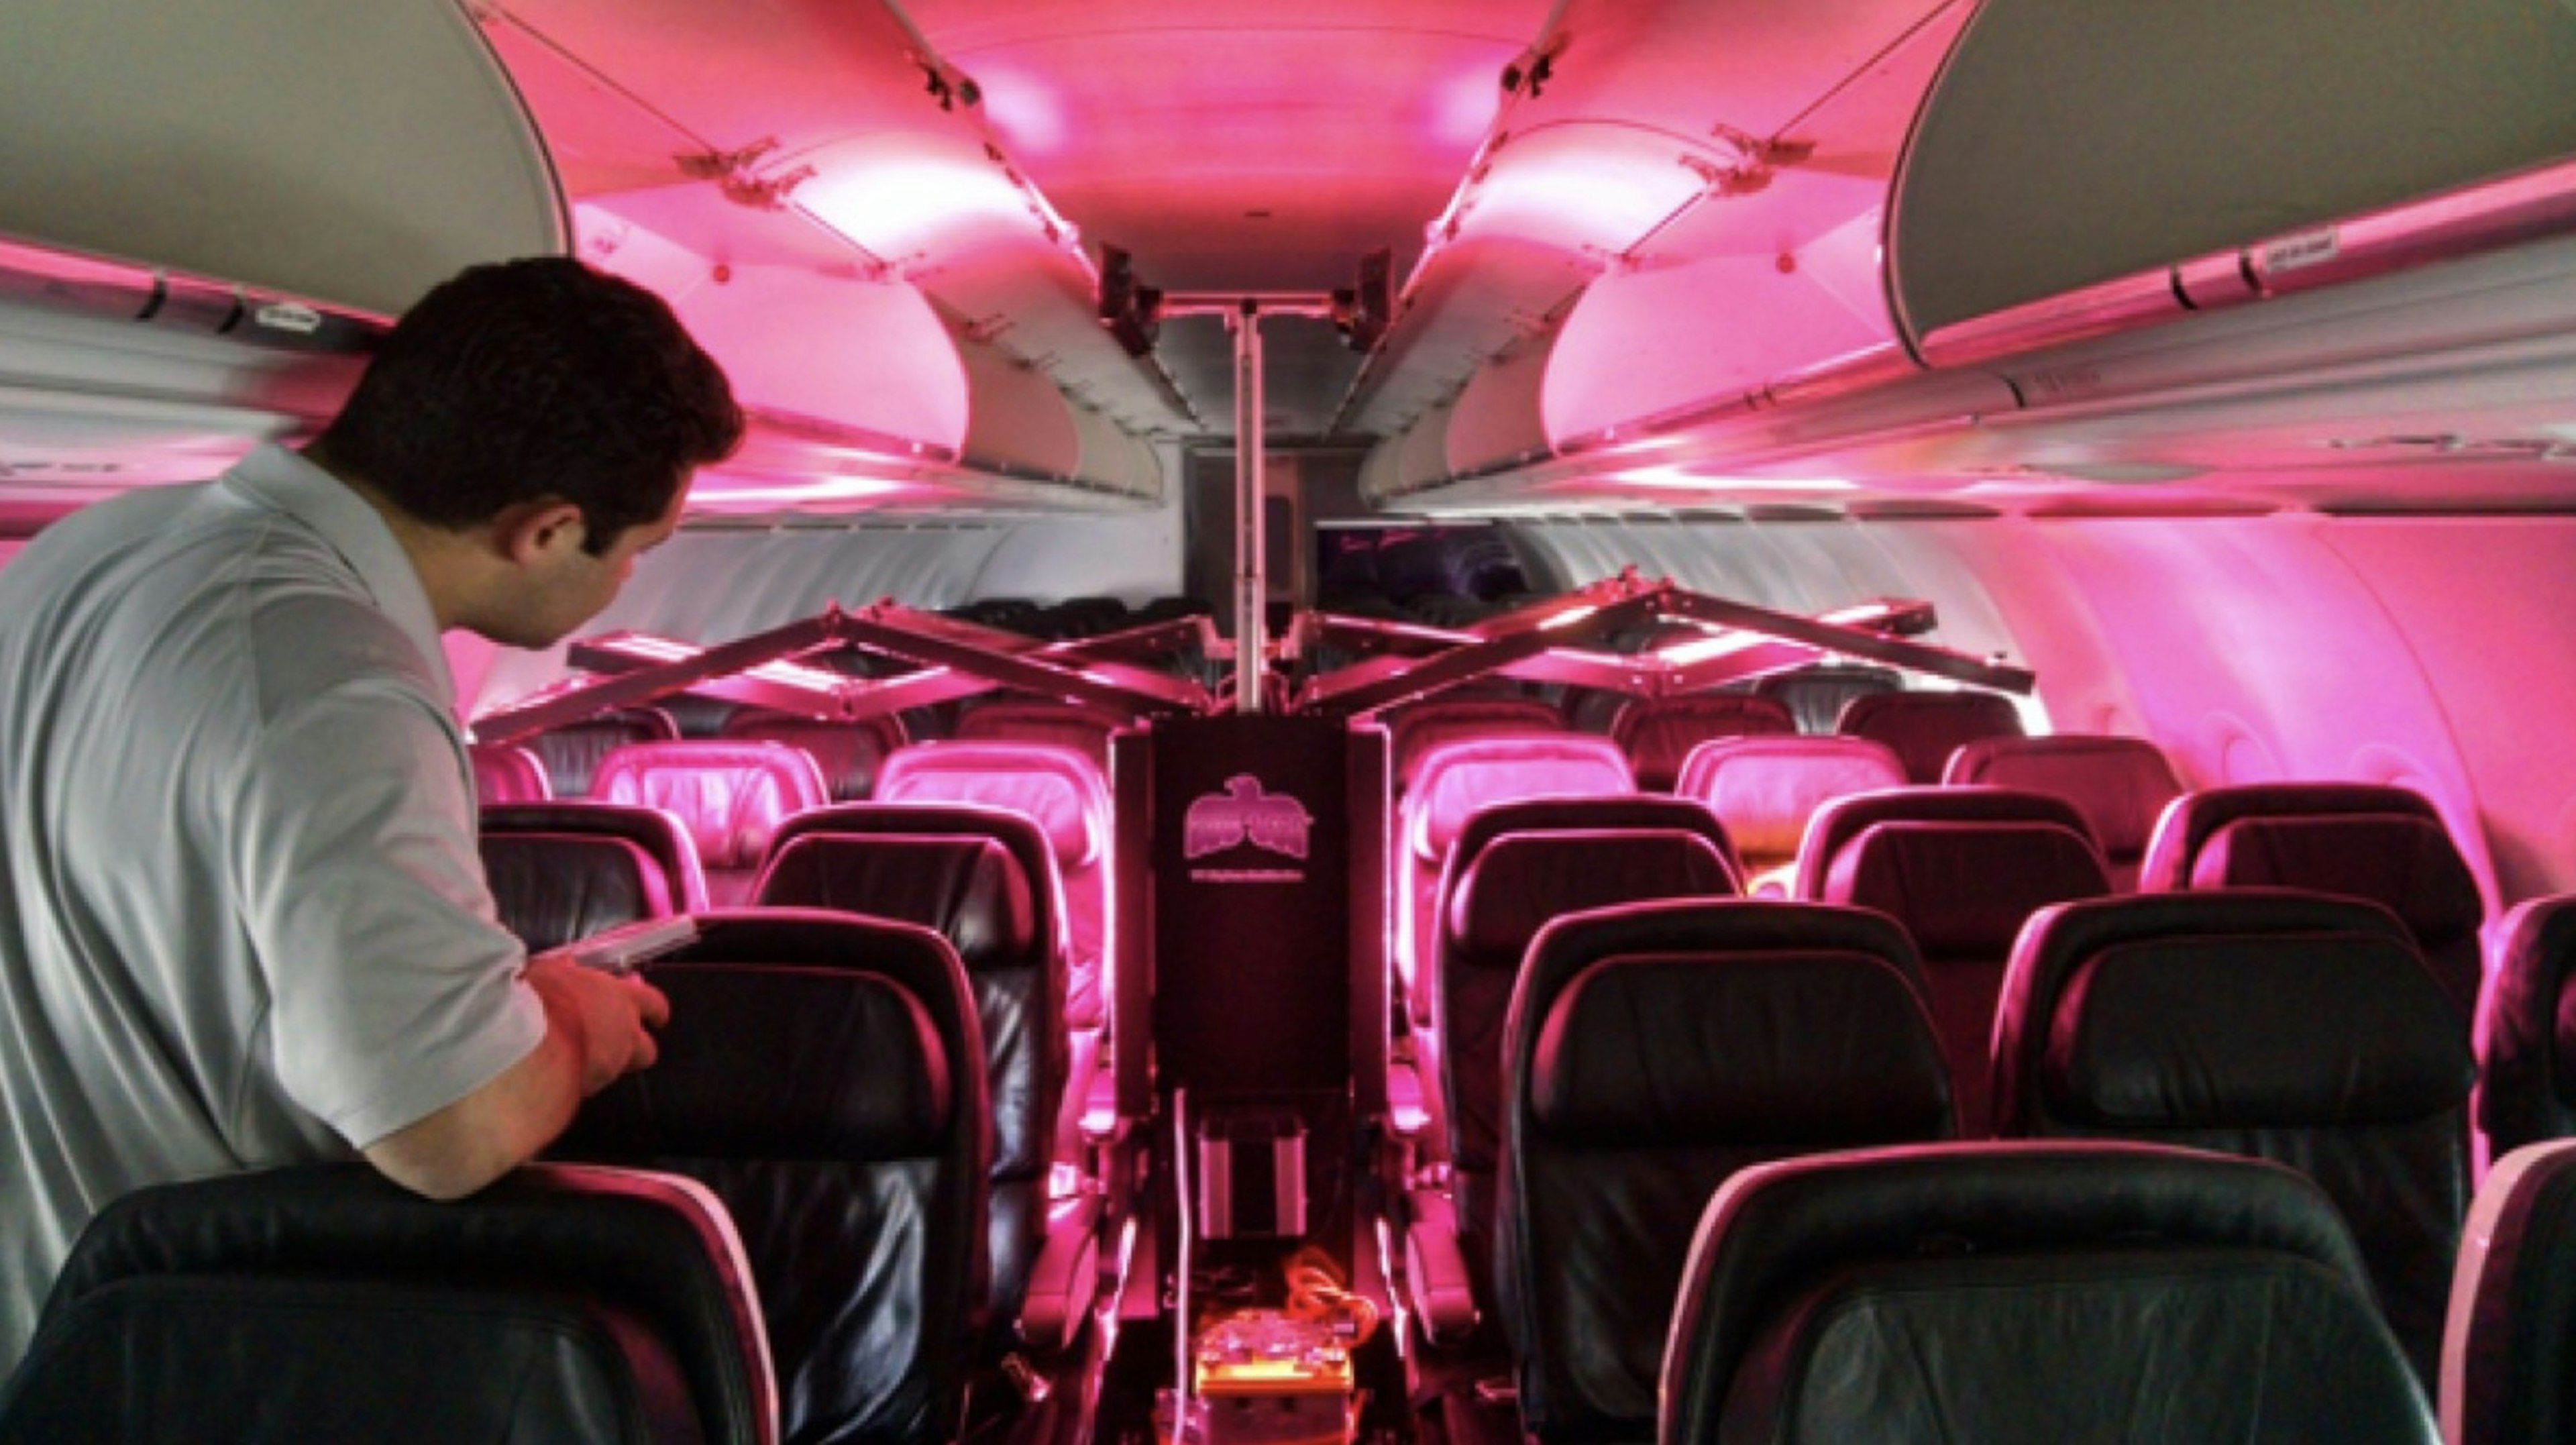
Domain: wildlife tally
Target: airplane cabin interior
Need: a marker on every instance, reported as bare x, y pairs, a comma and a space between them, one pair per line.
1431, 723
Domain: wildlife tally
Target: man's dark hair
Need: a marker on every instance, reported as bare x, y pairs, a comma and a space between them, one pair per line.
535, 379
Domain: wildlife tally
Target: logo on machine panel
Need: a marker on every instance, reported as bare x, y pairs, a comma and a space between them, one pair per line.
1245, 815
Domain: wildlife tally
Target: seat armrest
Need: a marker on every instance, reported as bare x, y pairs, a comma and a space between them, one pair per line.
1065, 1278
1436, 1279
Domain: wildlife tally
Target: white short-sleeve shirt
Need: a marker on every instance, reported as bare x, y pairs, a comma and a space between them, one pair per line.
243, 921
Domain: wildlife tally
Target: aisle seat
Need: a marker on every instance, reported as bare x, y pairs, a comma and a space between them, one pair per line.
2295, 1027
731, 796
2120, 785
1924, 728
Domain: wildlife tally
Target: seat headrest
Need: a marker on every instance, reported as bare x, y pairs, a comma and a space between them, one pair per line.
1840, 820
1765, 789
555, 887
732, 796
970, 891
849, 753
1674, 1024
1774, 1229
1964, 889
2506, 1356
571, 753
1659, 732
1023, 720
2528, 1025
2120, 785
1521, 880
1413, 732
1926, 727
660, 834
1457, 778
2402, 862
766, 1061
1653, 811
504, 773
1057, 786
2190, 818
2224, 1010
657, 1249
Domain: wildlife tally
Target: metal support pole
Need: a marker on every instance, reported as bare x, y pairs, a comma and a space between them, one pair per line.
1251, 581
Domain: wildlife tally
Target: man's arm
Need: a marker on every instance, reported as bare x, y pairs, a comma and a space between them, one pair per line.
596, 1032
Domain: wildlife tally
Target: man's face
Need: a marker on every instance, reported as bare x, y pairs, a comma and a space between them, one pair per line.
565, 586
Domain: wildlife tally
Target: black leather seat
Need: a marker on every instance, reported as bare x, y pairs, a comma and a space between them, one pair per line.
561, 871
848, 752
2509, 1359
2025, 1293
817, 1075
2285, 1026
1962, 869
2527, 1079
2360, 840
1653, 1050
1658, 732
563, 1304
974, 893
2121, 785
571, 752
1926, 727
506, 773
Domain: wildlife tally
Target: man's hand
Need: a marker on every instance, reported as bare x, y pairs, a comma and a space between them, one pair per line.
608, 1017
598, 1029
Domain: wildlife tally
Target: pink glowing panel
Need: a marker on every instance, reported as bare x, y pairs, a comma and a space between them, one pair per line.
871, 356
1578, 185
905, 195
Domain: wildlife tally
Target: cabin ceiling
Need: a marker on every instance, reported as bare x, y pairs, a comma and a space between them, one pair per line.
1647, 254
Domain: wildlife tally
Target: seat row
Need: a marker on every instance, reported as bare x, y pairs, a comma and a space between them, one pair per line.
1920, 729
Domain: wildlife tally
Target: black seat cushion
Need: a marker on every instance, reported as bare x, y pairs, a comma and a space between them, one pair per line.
1653, 1050
2030, 1293
2527, 1079
817, 1075
2285, 1026
552, 888
560, 1304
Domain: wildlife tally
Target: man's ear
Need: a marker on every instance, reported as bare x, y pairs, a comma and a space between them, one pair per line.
531, 531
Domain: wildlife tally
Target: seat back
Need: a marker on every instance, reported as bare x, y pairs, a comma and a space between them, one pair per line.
1658, 732
1924, 728
2293, 1027
2120, 785
1066, 796
507, 773
572, 753
561, 1304
1456, 779
1653, 1050
1413, 731
818, 1075
1962, 869
2509, 1354
1764, 789
973, 892
731, 796
1816, 696
552, 888
2024, 1292
2382, 843
849, 752
1086, 730
1492, 906
661, 836
2527, 1063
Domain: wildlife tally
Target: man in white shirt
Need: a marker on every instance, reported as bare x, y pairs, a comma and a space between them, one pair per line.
243, 922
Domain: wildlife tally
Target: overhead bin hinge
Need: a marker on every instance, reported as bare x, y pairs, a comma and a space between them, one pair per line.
1752, 166
737, 175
